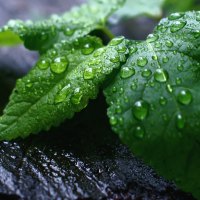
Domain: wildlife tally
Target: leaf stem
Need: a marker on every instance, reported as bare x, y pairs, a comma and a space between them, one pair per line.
107, 31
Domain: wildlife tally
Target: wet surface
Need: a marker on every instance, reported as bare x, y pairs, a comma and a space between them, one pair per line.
81, 159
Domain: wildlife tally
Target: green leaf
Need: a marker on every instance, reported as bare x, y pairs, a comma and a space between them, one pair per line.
60, 84
154, 100
72, 25
140, 7
8, 38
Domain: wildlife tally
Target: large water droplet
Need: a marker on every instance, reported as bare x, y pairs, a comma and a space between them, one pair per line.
127, 72
59, 65
152, 38
77, 96
116, 41
180, 121
175, 16
161, 75
178, 25
142, 61
43, 64
87, 49
184, 97
61, 96
140, 110
88, 73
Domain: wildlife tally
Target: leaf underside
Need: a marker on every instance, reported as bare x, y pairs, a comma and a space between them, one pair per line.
154, 100
71, 25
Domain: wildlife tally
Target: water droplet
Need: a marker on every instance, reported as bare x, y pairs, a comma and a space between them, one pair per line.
140, 110
178, 25
139, 132
184, 97
165, 59
152, 38
165, 117
113, 120
114, 89
196, 34
133, 50
61, 96
43, 64
116, 41
178, 81
69, 32
87, 49
154, 57
77, 96
157, 44
161, 75
134, 86
99, 52
169, 43
59, 65
163, 101
180, 121
127, 72
180, 68
142, 61
169, 88
146, 73
118, 109
88, 73
175, 16
115, 59
198, 16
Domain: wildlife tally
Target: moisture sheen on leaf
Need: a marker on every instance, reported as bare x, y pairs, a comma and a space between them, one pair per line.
60, 84
154, 100
71, 25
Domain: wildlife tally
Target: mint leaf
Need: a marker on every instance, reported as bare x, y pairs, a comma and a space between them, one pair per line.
60, 84
140, 7
71, 25
154, 100
7, 38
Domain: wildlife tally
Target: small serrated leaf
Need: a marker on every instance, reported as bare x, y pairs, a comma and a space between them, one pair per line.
154, 100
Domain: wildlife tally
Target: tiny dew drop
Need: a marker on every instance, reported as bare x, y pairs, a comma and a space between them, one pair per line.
139, 132
127, 72
113, 120
43, 64
198, 16
184, 97
87, 49
180, 68
175, 16
161, 75
154, 57
196, 34
133, 50
61, 96
180, 121
165, 59
59, 65
142, 61
169, 43
69, 32
163, 101
114, 89
77, 96
152, 38
140, 109
88, 73
115, 59
134, 86
116, 41
169, 88
178, 81
178, 25
146, 73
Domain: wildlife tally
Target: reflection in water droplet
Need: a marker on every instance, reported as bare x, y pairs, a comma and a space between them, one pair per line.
161, 75
178, 25
59, 65
142, 61
127, 72
180, 121
88, 73
184, 97
140, 110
